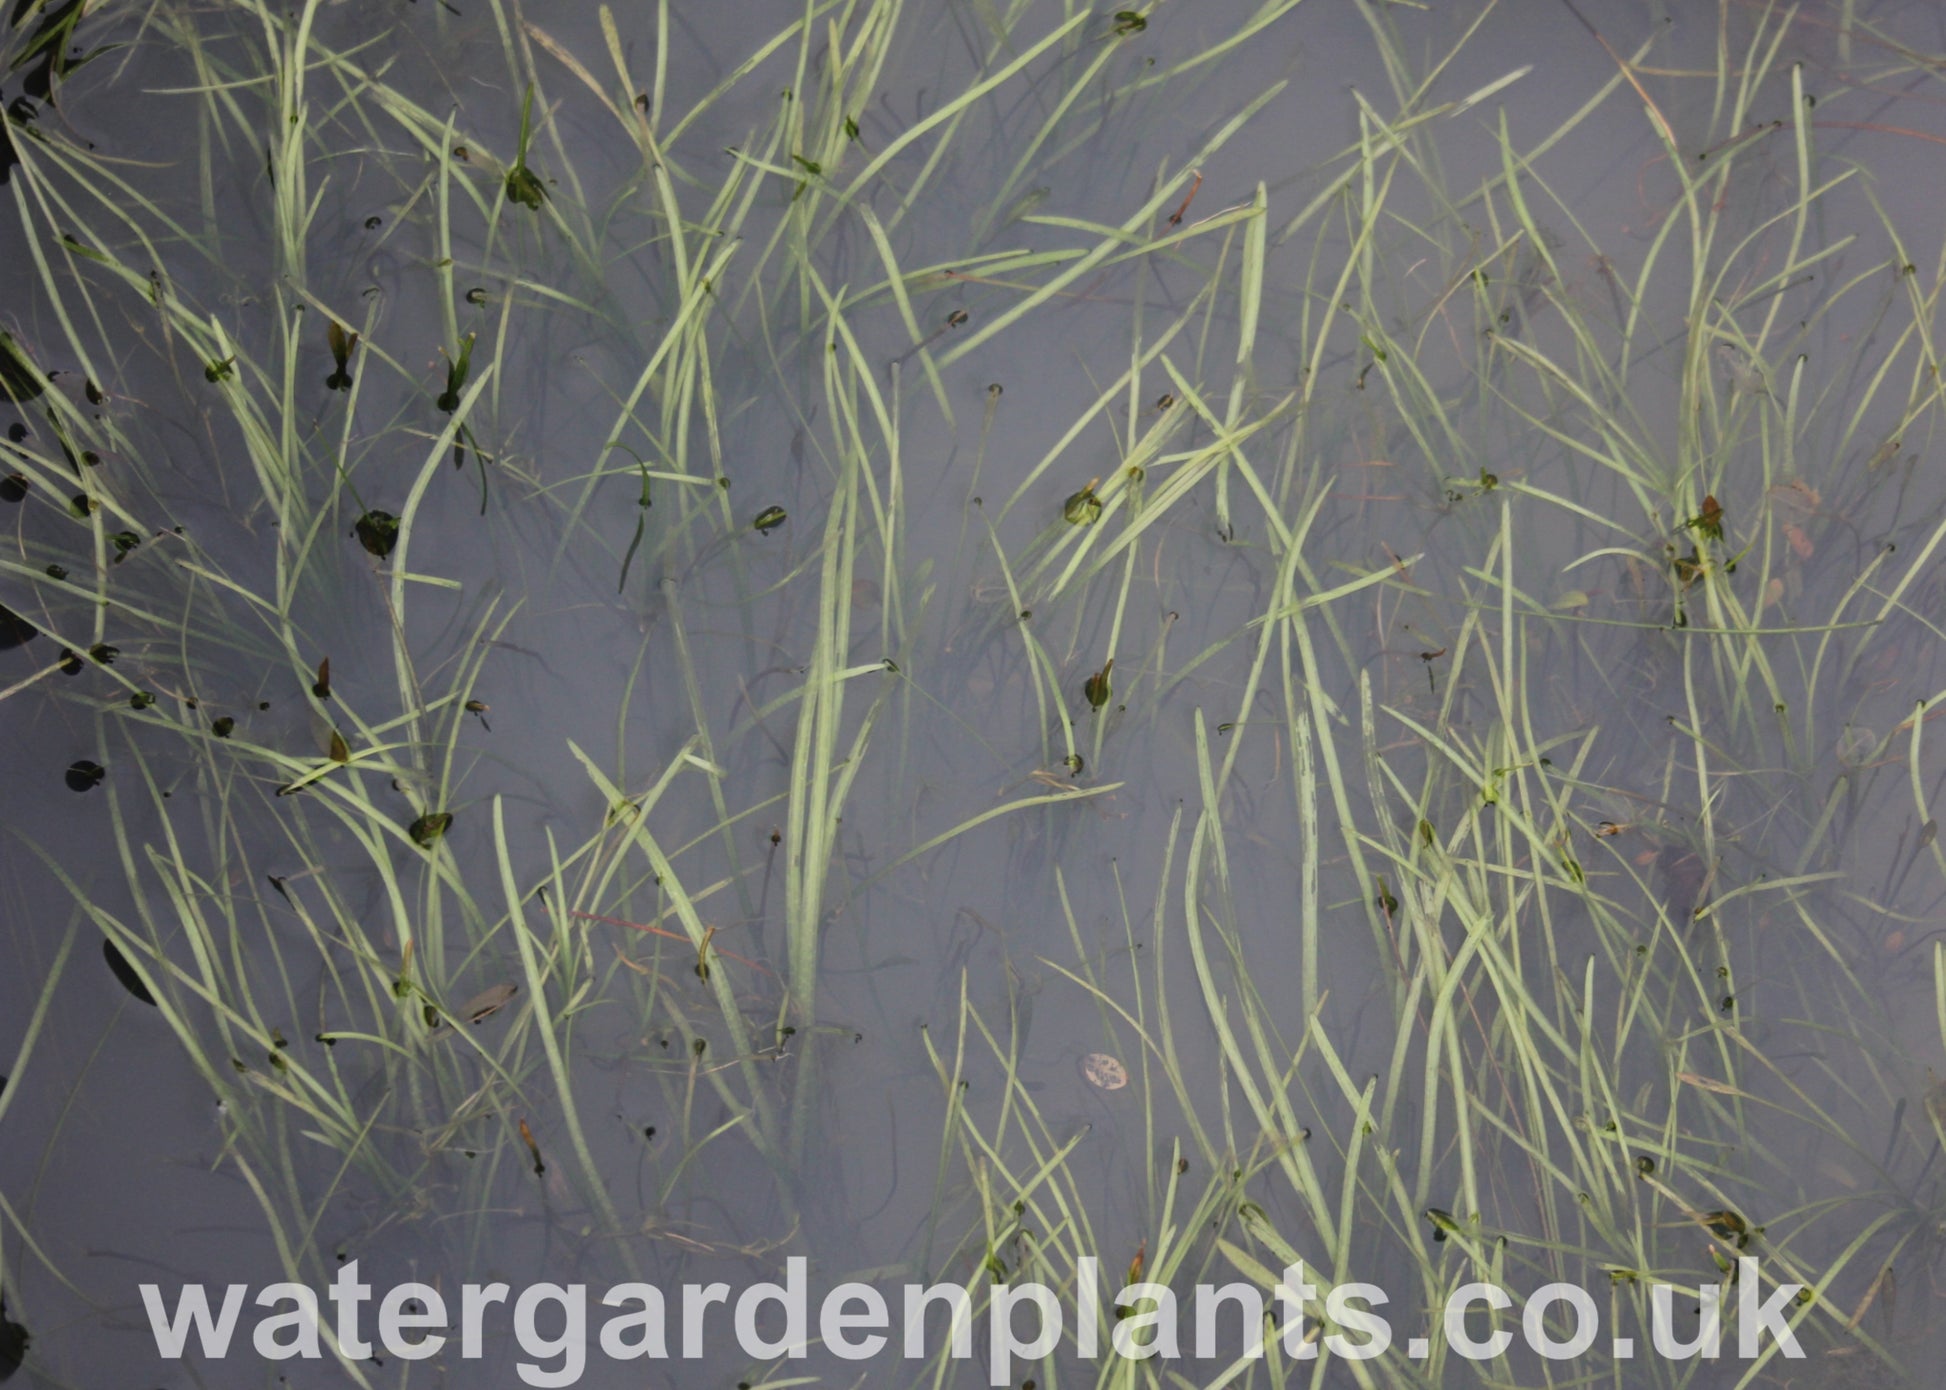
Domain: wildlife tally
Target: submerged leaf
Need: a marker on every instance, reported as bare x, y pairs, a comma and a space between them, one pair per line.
1748, 377
1104, 1073
13, 1341
125, 972
15, 631
1682, 876
19, 378
458, 368
487, 1002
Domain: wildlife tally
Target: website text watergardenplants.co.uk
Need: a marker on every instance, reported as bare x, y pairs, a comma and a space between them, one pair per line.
1025, 1321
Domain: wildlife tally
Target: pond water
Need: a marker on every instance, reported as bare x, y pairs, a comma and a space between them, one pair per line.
637, 641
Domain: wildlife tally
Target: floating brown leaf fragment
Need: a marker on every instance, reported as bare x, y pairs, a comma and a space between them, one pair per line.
1712, 515
487, 1003
1103, 1072
321, 687
1709, 521
340, 750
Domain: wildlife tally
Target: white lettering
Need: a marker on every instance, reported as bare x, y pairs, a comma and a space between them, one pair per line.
1338, 1310
1753, 1318
834, 1322
302, 1319
1456, 1335
571, 1346
696, 1299
649, 1320
1248, 1300
348, 1293
791, 1295
394, 1321
473, 1301
1533, 1321
1126, 1335
917, 1297
1292, 1294
1002, 1345
192, 1307
1709, 1330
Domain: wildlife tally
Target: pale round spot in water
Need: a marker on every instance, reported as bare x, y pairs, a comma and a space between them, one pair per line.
1103, 1072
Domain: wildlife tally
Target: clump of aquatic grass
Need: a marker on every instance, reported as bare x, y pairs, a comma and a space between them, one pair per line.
330, 911
1590, 970
313, 902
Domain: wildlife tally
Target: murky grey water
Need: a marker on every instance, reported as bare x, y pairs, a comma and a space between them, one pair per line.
1694, 871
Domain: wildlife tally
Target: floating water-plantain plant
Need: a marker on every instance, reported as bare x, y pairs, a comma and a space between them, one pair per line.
342, 344
523, 184
1083, 508
1097, 687
378, 532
